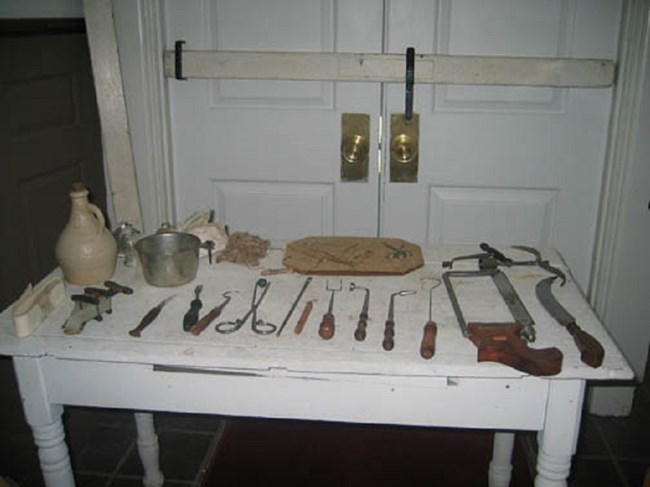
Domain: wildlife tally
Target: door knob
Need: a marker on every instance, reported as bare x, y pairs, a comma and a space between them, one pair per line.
404, 148
355, 145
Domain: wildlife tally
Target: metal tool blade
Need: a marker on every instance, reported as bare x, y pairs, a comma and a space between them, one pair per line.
554, 308
515, 305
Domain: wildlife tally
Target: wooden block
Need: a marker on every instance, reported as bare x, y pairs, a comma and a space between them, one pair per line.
352, 256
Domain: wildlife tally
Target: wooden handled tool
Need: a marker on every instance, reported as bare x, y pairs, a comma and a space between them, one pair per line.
389, 327
591, 351
209, 317
362, 324
327, 326
303, 317
502, 342
428, 344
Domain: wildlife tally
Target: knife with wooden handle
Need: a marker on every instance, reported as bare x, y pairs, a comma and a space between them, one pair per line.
591, 351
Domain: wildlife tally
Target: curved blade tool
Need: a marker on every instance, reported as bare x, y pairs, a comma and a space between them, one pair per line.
591, 351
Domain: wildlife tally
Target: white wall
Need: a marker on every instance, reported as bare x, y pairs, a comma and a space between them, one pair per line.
22, 9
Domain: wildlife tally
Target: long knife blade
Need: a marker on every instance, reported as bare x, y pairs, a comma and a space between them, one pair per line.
591, 351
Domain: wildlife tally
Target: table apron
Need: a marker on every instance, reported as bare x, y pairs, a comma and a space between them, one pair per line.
515, 403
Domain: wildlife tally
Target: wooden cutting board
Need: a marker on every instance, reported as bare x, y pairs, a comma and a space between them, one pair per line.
352, 256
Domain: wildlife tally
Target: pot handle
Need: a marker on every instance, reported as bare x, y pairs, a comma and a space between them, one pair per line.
101, 222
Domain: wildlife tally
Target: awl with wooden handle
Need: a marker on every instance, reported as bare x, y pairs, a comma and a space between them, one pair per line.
151, 315
591, 351
430, 331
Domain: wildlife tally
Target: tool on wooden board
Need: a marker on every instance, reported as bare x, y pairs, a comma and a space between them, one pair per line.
504, 343
192, 314
259, 326
327, 324
300, 324
210, 316
591, 351
151, 315
362, 324
492, 258
91, 305
430, 331
389, 327
293, 306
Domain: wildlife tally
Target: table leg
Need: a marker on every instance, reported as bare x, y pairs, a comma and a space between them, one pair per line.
148, 450
501, 464
45, 421
557, 440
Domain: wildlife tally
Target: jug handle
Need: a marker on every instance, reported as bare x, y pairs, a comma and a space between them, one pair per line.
100, 218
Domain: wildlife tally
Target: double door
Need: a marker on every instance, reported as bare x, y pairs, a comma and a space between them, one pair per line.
508, 165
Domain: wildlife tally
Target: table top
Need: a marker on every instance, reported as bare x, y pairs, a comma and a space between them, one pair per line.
164, 343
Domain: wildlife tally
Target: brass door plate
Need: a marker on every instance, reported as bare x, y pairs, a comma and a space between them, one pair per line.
404, 148
355, 145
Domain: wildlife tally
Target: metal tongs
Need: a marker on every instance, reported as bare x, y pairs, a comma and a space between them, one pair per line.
259, 326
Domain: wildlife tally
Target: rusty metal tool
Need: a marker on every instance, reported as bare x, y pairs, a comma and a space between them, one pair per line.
362, 324
492, 258
192, 315
591, 351
327, 325
504, 343
116, 287
210, 316
430, 331
87, 307
293, 306
309, 305
151, 315
389, 327
258, 326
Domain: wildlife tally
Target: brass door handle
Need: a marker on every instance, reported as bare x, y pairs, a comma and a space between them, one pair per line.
403, 149
355, 146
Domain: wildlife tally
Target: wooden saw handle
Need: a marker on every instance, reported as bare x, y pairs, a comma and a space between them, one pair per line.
501, 342
428, 345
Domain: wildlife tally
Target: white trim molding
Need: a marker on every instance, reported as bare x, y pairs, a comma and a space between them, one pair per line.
633, 63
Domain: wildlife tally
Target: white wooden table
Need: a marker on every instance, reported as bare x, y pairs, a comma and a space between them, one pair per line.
305, 377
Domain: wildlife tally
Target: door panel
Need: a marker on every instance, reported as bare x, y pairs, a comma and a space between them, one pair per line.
49, 134
504, 164
265, 154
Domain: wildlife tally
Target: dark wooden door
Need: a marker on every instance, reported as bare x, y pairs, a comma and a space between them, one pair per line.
49, 138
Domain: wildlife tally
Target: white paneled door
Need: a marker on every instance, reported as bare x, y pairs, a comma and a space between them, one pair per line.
502, 164
508, 165
265, 154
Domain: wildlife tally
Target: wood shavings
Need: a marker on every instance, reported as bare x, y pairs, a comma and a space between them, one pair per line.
244, 248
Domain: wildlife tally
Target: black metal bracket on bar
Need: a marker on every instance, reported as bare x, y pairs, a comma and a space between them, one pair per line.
178, 60
410, 78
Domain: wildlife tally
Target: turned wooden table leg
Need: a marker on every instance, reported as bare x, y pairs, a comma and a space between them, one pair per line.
501, 463
45, 421
557, 440
148, 450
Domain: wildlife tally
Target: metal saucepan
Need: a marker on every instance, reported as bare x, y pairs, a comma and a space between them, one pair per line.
169, 259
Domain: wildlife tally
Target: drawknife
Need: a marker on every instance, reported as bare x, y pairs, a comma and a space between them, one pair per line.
591, 351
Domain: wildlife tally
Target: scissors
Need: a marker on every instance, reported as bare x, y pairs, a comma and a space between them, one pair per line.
259, 326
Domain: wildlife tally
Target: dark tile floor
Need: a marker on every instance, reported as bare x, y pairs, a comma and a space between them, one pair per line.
612, 452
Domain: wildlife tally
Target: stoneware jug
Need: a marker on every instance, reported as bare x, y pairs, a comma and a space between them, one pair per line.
86, 249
